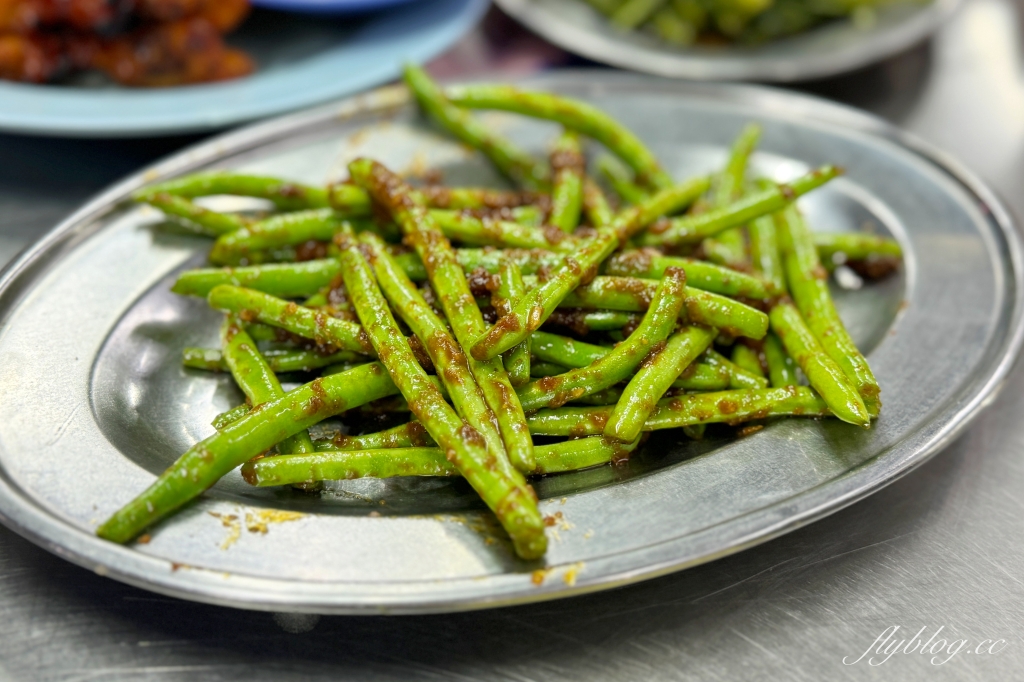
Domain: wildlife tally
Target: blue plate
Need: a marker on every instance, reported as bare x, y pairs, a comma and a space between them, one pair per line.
302, 61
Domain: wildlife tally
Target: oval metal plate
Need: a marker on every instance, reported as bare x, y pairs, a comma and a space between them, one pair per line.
96, 402
825, 50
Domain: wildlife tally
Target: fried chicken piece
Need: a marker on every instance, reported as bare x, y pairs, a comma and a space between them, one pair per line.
224, 15
175, 42
176, 53
32, 58
103, 16
25, 16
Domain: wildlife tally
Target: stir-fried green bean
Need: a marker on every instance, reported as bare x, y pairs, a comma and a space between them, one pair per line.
654, 377
730, 246
314, 279
809, 288
573, 114
207, 461
692, 229
508, 292
661, 318
450, 286
519, 166
499, 484
567, 167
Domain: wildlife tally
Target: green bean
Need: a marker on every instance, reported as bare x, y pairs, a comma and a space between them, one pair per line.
529, 261
539, 370
764, 252
730, 246
567, 168
692, 11
353, 200
661, 318
346, 465
285, 280
286, 196
281, 254
672, 28
605, 7
408, 435
229, 416
349, 199
287, 229
500, 485
519, 202
838, 247
621, 180
564, 351
595, 204
540, 302
608, 396
573, 114
653, 379
694, 431
450, 285
209, 359
824, 375
693, 228
781, 368
510, 290
332, 299
733, 407
254, 376
514, 163
650, 263
195, 218
572, 455
581, 453
808, 286
700, 376
446, 355
279, 361
632, 13
262, 332
701, 307
340, 367
530, 216
477, 231
738, 376
305, 322
747, 358
262, 428
585, 321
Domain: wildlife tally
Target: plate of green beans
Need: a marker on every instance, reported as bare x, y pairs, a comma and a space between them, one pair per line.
440, 348
752, 40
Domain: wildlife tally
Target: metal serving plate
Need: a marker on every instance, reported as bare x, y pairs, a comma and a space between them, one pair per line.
826, 50
96, 402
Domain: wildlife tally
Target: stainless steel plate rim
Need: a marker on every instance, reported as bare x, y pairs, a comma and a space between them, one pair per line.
19, 512
749, 64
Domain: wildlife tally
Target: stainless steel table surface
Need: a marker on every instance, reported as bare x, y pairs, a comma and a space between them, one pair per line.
941, 548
